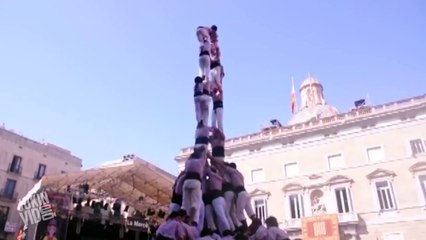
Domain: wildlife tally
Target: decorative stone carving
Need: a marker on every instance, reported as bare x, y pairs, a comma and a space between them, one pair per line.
381, 173
314, 177
338, 179
418, 167
317, 202
292, 187
259, 192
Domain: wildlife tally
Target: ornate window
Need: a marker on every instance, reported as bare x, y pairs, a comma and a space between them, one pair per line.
422, 180
296, 205
419, 172
384, 189
341, 185
260, 203
343, 198
294, 202
260, 209
386, 196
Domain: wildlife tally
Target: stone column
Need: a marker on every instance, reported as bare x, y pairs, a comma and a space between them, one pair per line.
307, 207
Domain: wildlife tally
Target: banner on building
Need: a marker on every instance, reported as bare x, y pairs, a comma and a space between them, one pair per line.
53, 229
323, 227
22, 233
60, 202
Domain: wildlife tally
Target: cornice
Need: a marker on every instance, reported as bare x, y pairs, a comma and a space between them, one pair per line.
381, 173
323, 126
418, 167
44, 148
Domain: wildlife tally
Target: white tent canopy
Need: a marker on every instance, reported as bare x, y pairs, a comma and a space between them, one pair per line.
137, 182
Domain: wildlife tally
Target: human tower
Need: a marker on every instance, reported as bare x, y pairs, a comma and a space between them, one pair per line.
209, 194
209, 199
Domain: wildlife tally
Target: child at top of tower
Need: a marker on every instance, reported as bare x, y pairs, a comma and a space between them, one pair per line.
204, 59
202, 33
216, 67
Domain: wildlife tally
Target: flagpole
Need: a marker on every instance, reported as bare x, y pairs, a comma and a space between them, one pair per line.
295, 97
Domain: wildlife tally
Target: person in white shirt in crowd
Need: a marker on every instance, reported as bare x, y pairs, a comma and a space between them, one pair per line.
274, 232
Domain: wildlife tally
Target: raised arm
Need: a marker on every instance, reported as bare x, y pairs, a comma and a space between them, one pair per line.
203, 27
214, 161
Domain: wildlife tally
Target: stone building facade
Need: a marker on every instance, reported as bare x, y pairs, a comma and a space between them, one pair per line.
23, 162
367, 166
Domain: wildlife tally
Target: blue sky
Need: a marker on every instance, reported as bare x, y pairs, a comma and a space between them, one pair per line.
108, 78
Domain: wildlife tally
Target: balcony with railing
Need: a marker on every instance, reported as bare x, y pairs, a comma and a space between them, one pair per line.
293, 224
14, 169
8, 196
344, 219
348, 218
37, 175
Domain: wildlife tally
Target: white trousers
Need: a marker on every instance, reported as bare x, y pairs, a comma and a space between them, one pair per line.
219, 206
200, 226
211, 237
205, 108
230, 210
192, 197
173, 207
204, 63
216, 76
217, 118
198, 111
210, 217
244, 204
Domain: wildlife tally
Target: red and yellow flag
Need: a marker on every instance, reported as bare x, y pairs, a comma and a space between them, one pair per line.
293, 97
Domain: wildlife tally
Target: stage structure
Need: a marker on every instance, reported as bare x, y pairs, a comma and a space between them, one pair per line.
131, 180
